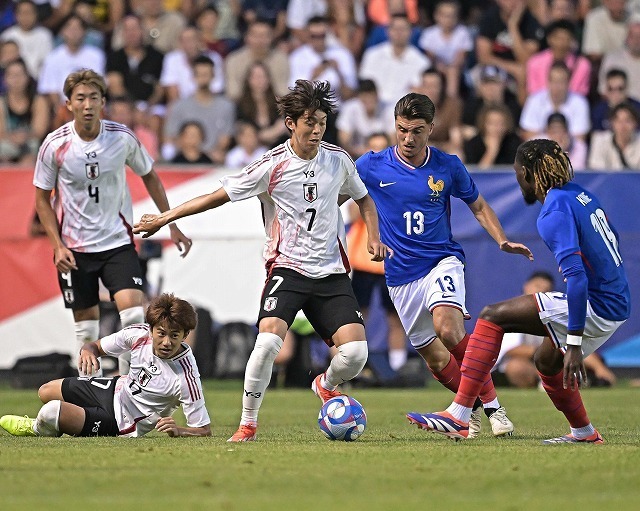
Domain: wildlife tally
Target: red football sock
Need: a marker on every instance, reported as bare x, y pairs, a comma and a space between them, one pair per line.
449, 377
482, 352
567, 401
488, 391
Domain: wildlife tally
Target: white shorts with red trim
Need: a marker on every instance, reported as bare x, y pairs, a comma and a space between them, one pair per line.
553, 309
441, 287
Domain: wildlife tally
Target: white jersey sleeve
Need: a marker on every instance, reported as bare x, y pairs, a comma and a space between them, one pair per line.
124, 340
137, 157
251, 181
46, 172
353, 185
191, 395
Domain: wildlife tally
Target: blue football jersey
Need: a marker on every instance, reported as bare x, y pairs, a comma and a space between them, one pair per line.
572, 221
414, 208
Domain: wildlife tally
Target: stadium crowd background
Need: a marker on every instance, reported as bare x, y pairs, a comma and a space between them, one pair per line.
197, 80
496, 70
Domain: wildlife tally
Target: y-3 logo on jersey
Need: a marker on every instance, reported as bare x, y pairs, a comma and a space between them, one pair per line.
92, 170
91, 154
310, 191
309, 173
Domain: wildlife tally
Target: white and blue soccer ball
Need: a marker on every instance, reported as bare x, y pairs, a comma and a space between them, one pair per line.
342, 418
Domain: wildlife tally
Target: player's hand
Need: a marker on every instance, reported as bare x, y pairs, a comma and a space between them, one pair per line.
574, 374
378, 250
181, 241
168, 425
64, 260
149, 224
88, 363
515, 248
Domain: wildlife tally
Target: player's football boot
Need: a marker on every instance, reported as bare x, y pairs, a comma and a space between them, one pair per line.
500, 423
18, 426
475, 423
245, 433
321, 392
441, 422
596, 438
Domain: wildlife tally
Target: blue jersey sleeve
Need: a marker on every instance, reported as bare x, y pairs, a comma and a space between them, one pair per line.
464, 186
559, 232
362, 165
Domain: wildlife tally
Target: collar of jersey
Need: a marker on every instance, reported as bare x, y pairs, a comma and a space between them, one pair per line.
406, 163
185, 352
73, 130
288, 147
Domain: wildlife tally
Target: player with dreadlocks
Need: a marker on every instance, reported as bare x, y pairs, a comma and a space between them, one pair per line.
574, 226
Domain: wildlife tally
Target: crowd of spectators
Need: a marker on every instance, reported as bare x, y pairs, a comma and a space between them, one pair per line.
197, 80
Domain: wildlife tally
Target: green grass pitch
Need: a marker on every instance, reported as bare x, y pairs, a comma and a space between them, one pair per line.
394, 466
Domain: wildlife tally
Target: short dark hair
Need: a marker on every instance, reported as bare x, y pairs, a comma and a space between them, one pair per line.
560, 25
617, 73
415, 106
186, 124
306, 96
203, 59
176, 313
541, 274
366, 85
628, 107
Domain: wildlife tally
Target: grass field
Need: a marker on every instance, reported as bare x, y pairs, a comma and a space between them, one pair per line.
293, 467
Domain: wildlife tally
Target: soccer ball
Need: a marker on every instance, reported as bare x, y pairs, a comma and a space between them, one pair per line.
342, 418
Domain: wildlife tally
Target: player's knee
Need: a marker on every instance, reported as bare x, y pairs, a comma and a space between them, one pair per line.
47, 392
547, 361
355, 353
268, 343
491, 313
131, 316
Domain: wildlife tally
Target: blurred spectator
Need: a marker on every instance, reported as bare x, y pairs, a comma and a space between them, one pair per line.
380, 12
93, 36
605, 28
9, 52
619, 147
299, 12
615, 92
207, 23
64, 60
258, 48
273, 12
135, 69
257, 106
105, 13
508, 36
24, 116
496, 142
34, 41
569, 10
227, 27
347, 24
362, 116
320, 60
376, 142
626, 58
123, 109
556, 98
447, 122
395, 66
214, 112
491, 89
177, 67
189, 144
162, 28
560, 36
447, 43
248, 148
515, 364
558, 130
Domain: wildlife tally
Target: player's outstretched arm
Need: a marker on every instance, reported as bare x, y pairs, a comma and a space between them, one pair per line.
370, 216
88, 362
168, 425
150, 224
487, 218
62, 257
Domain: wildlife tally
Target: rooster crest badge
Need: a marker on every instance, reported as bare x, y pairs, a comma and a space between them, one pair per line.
436, 186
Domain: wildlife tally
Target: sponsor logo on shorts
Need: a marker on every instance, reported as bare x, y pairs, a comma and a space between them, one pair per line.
96, 427
446, 295
270, 303
360, 315
137, 281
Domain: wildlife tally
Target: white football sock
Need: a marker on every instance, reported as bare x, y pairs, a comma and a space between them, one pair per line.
583, 432
47, 421
258, 374
88, 331
346, 364
397, 358
462, 413
130, 316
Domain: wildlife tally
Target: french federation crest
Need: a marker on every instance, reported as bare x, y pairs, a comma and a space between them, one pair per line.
270, 303
310, 191
92, 170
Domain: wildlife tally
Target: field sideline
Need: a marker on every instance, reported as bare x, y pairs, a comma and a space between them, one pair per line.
292, 466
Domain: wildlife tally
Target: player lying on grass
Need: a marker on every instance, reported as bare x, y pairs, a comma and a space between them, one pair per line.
162, 375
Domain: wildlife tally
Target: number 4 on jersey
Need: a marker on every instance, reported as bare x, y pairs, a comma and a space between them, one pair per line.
94, 193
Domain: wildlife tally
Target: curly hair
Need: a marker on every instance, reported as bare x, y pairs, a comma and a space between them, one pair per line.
306, 96
547, 162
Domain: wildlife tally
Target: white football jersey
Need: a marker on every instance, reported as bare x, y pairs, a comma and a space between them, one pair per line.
155, 386
92, 198
303, 224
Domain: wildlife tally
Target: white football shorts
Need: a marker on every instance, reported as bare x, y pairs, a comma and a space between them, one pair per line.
553, 309
441, 287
